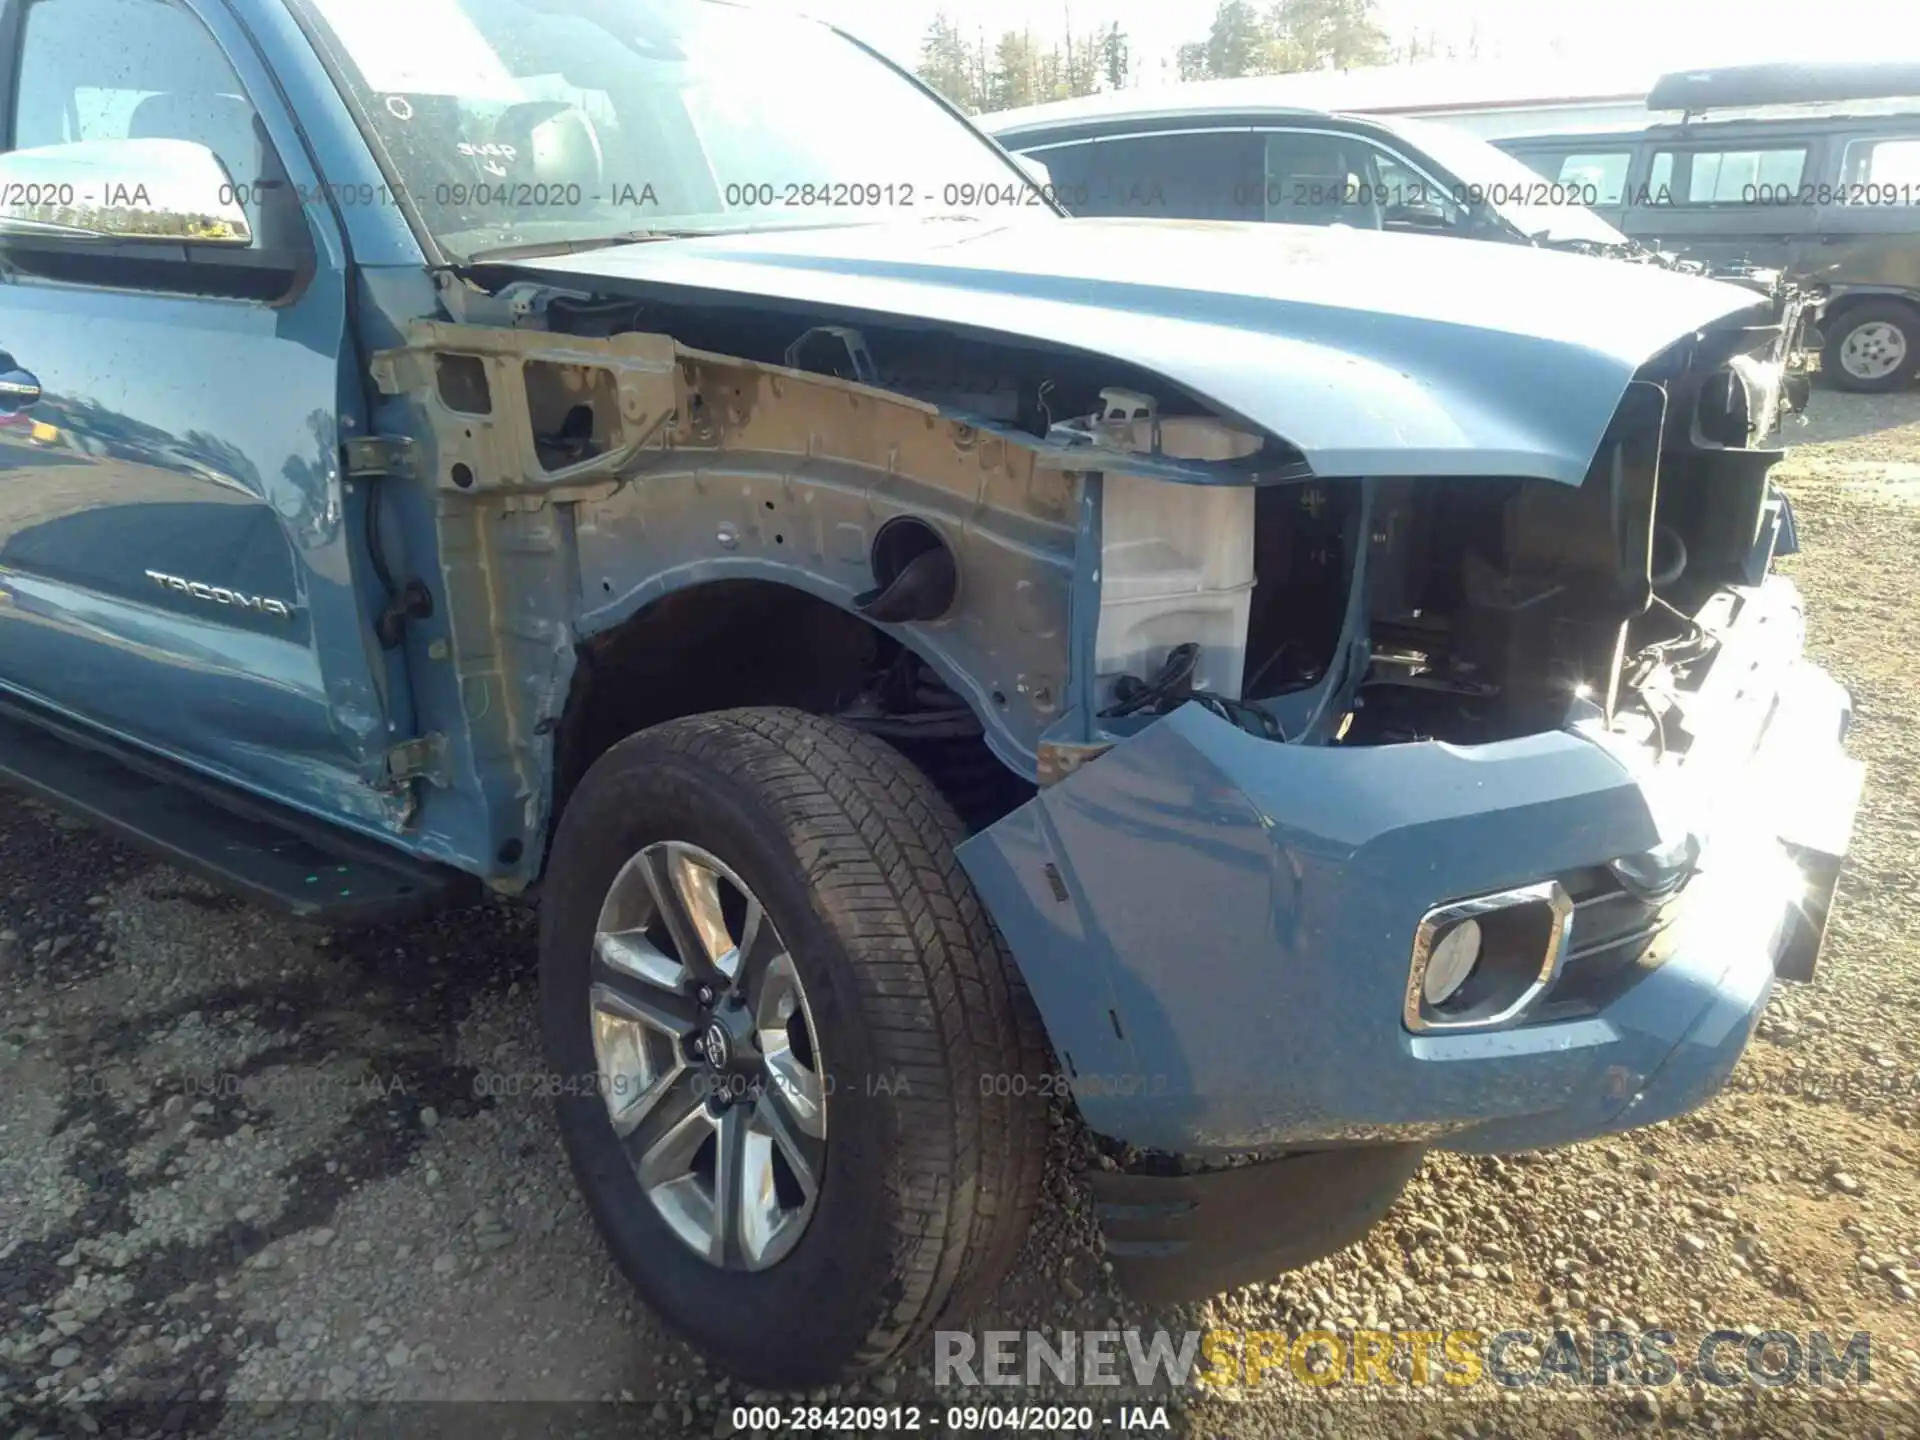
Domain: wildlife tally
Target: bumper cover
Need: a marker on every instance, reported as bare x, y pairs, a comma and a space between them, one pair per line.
1217, 928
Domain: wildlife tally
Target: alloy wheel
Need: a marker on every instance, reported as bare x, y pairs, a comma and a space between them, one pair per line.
707, 1056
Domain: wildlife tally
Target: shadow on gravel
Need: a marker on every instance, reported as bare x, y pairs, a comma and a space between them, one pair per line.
389, 1001
1835, 415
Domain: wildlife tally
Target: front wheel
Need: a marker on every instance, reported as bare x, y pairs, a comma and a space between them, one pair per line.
778, 1013
1874, 347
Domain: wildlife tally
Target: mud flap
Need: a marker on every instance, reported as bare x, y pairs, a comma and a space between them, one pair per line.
1179, 1238
1817, 792
1816, 839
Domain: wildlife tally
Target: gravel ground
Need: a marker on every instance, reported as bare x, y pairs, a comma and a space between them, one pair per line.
245, 1161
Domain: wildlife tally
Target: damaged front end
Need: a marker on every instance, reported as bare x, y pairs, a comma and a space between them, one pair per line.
1494, 834
1793, 305
1780, 371
585, 469
1394, 746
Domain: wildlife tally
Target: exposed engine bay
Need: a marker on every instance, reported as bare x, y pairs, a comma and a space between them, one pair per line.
967, 496
1495, 608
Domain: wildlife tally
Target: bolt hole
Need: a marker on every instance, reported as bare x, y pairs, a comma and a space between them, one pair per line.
769, 504
1000, 699
463, 476
607, 585
779, 539
511, 852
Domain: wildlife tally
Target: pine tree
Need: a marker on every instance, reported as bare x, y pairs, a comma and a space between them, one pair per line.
1235, 42
1324, 35
946, 65
1114, 57
1290, 35
1018, 76
1080, 66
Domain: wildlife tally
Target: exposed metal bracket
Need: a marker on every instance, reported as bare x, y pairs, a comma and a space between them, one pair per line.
420, 759
371, 456
864, 369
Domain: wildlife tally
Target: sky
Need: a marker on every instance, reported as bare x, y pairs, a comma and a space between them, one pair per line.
1561, 34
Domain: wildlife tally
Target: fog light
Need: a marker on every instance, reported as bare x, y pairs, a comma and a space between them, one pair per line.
1454, 956
1482, 962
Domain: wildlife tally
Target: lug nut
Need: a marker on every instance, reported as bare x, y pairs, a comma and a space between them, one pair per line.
704, 995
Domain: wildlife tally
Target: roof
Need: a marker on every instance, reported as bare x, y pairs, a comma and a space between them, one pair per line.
1425, 88
1498, 100
1743, 86
1097, 123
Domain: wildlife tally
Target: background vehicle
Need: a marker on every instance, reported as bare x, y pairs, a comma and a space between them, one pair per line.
1504, 99
1826, 194
1162, 157
930, 654
1202, 152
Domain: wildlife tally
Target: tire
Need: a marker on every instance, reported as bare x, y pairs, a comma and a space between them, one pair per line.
930, 1175
1904, 321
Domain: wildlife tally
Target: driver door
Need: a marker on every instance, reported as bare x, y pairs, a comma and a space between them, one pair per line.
176, 535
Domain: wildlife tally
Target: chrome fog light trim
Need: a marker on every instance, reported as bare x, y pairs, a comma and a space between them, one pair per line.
1522, 937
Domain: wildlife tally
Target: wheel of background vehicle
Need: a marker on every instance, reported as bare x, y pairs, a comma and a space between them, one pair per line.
1874, 346
788, 1011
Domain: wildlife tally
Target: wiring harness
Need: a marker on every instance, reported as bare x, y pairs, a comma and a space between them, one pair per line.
1172, 687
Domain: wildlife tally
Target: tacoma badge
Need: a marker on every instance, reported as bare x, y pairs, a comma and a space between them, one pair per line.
221, 595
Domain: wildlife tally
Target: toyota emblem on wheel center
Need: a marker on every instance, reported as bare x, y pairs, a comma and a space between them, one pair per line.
716, 1045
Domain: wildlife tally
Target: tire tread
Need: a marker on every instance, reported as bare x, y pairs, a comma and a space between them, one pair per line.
942, 999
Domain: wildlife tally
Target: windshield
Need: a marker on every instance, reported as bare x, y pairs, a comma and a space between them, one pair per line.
529, 122
1516, 193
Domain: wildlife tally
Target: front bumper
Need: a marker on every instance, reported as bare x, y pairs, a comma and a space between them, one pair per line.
1217, 928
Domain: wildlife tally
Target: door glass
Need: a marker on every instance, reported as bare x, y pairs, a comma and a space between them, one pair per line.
1196, 175
1882, 172
1746, 177
134, 70
1601, 176
1410, 200
1660, 179
1544, 163
1317, 179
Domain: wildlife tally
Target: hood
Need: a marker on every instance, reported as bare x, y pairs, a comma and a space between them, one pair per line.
1371, 353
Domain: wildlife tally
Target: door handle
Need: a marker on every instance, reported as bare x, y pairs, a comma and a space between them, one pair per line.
18, 388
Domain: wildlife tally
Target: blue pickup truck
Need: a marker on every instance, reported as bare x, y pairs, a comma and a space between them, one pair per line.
1299, 697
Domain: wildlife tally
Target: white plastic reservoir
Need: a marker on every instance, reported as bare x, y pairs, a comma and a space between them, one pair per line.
1176, 565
